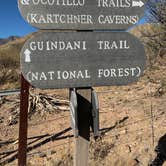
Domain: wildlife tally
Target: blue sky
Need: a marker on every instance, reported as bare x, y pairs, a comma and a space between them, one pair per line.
11, 21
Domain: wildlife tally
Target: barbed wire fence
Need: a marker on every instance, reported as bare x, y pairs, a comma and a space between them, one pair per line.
106, 134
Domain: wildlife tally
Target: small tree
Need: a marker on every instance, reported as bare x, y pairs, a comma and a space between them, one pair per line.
156, 11
155, 40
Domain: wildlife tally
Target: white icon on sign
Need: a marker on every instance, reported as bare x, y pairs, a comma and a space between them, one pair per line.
25, 2
137, 3
27, 54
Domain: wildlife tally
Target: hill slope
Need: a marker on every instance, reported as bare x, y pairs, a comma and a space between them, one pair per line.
10, 62
11, 38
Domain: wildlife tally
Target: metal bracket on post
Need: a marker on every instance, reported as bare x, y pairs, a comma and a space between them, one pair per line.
95, 114
84, 122
73, 111
84, 110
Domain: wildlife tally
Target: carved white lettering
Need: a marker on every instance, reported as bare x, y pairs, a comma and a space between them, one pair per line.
57, 18
120, 72
35, 76
58, 45
81, 74
36, 46
117, 19
110, 45
58, 75
114, 3
59, 2
43, 76
50, 73
32, 46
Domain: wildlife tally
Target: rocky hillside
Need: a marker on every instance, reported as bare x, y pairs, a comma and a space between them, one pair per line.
6, 40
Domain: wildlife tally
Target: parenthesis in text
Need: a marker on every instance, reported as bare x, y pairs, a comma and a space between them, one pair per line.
28, 17
139, 71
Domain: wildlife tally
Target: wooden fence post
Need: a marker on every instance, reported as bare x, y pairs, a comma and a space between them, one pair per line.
23, 122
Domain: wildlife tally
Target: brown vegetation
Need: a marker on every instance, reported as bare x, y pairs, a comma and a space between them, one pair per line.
10, 63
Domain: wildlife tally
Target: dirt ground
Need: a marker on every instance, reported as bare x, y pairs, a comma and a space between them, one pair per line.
132, 120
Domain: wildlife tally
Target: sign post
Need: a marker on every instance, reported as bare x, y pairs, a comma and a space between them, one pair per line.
23, 122
84, 124
84, 115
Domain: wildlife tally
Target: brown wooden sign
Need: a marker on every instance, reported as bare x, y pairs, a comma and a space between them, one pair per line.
82, 59
82, 14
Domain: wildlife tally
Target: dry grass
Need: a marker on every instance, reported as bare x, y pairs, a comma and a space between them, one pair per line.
10, 64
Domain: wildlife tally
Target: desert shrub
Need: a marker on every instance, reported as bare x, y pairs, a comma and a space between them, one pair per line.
155, 39
9, 76
155, 42
9, 63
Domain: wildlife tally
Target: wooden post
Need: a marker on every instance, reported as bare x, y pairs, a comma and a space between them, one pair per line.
23, 123
84, 123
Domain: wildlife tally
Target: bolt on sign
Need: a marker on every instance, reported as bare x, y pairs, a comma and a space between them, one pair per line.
82, 14
84, 59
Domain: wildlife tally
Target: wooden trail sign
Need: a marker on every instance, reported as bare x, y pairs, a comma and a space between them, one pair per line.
82, 14
84, 59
